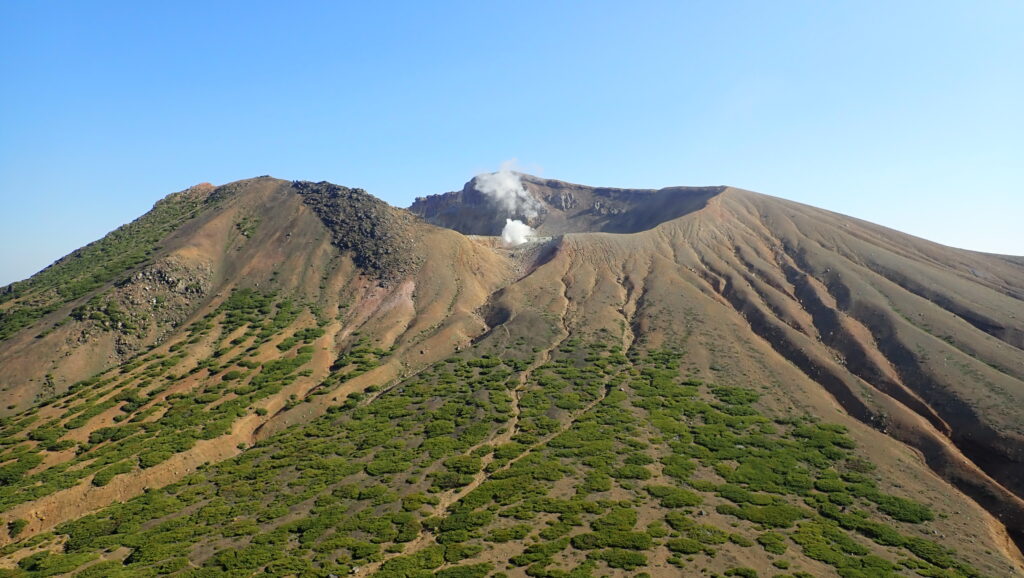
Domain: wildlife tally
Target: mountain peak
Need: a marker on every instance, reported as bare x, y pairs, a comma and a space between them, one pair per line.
554, 207
379, 236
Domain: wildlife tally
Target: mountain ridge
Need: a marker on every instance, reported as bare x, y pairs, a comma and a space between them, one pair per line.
832, 311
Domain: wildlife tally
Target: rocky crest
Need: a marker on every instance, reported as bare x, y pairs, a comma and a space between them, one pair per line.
379, 237
564, 208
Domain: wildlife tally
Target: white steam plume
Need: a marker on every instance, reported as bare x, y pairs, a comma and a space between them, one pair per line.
506, 190
516, 232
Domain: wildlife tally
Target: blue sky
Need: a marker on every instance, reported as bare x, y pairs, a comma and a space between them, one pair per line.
903, 113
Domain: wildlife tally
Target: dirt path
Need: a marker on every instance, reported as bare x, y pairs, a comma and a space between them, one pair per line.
451, 497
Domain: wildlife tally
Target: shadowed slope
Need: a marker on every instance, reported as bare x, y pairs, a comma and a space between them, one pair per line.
936, 330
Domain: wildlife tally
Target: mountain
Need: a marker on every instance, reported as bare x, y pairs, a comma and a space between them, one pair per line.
563, 208
295, 378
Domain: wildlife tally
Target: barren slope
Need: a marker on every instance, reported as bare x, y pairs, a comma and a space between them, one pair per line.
744, 288
325, 329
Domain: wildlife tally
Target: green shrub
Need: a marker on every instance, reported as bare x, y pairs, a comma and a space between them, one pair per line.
772, 542
624, 559
613, 539
619, 519
247, 558
472, 571
678, 467
904, 510
632, 472
776, 516
503, 535
931, 551
671, 497
15, 526
741, 541
107, 569
684, 545
464, 464
47, 564
104, 476
596, 482
152, 458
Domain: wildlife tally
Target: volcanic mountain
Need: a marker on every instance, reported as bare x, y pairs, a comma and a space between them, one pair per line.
297, 379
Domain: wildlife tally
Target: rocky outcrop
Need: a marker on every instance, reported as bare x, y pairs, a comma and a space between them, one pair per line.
378, 236
564, 208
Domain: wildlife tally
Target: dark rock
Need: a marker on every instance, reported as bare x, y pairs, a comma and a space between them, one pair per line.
376, 234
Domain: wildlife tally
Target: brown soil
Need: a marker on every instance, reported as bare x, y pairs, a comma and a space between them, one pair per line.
916, 347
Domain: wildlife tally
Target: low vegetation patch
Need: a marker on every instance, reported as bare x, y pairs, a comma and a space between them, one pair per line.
598, 464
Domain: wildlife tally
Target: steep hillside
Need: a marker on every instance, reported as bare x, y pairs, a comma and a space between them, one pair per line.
137, 287
282, 305
690, 380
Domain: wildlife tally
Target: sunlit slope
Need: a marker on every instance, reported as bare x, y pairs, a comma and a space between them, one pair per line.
111, 300
594, 403
914, 339
285, 316
580, 461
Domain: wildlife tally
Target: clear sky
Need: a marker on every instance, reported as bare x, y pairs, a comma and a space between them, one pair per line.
909, 113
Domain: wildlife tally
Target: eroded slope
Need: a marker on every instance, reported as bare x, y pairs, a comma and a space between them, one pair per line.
268, 342
571, 386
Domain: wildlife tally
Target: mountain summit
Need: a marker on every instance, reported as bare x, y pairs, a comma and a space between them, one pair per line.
296, 379
559, 207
